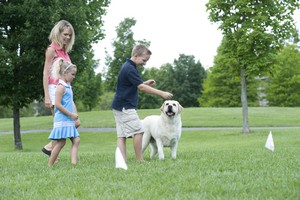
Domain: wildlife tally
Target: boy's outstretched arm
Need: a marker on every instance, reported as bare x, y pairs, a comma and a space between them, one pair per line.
148, 89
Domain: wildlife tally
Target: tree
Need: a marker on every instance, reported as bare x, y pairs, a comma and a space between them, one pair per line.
25, 26
188, 79
184, 79
165, 78
88, 90
87, 23
253, 32
123, 45
147, 101
283, 87
222, 88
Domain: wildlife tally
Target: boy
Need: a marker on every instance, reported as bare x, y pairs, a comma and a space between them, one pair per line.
124, 104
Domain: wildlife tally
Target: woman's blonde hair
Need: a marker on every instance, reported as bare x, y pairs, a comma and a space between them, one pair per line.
56, 31
61, 67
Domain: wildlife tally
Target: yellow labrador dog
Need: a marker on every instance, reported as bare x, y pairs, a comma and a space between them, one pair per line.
163, 130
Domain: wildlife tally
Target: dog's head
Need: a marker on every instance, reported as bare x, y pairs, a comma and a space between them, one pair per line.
171, 108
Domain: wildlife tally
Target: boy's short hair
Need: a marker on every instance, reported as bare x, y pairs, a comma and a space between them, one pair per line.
140, 50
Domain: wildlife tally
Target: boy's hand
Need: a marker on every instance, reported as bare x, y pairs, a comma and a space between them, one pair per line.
167, 95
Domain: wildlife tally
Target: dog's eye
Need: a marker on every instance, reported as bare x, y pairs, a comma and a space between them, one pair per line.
167, 104
174, 104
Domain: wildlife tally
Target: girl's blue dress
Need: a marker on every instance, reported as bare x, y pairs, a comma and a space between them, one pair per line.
64, 126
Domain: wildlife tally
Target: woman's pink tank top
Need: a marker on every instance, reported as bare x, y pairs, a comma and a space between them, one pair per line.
60, 52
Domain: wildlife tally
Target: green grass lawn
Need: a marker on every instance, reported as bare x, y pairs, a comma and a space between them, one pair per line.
191, 117
210, 164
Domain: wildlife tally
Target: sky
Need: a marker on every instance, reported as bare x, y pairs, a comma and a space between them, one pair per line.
172, 26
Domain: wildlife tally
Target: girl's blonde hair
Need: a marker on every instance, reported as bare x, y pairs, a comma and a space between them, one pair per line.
60, 67
56, 31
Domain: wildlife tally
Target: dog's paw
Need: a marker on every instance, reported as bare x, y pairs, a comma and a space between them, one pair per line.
161, 157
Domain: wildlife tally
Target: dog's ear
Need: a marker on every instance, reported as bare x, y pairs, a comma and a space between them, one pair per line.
180, 108
162, 106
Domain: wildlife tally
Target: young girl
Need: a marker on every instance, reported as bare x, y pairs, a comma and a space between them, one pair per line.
65, 113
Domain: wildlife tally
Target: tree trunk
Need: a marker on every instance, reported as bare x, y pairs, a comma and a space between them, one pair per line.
17, 132
244, 100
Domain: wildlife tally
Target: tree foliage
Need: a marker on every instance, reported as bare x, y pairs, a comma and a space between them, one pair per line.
122, 45
253, 32
88, 90
222, 88
25, 26
184, 79
188, 80
147, 101
283, 87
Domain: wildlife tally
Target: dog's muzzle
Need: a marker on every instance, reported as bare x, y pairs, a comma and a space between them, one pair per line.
170, 112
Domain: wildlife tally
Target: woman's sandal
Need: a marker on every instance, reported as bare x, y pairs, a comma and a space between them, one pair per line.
45, 151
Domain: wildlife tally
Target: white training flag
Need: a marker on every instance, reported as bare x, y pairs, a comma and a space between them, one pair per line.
269, 143
120, 162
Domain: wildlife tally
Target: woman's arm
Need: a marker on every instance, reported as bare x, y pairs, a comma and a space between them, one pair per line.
50, 53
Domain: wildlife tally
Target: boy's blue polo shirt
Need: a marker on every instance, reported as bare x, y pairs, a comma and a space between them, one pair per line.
127, 92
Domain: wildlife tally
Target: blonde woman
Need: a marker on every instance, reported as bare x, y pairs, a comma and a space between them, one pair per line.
62, 37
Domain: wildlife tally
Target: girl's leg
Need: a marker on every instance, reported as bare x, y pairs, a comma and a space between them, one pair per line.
74, 150
57, 148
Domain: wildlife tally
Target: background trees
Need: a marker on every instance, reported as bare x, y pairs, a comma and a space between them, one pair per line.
184, 79
147, 101
283, 85
222, 86
25, 26
253, 32
122, 45
188, 78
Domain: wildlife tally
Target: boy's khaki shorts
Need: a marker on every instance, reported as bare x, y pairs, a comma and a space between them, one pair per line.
127, 123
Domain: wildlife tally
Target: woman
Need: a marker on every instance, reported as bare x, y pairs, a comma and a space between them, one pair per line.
62, 38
